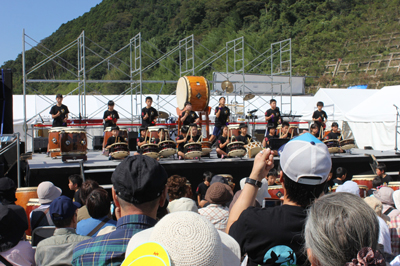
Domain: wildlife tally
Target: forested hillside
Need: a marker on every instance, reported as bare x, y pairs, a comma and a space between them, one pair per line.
319, 30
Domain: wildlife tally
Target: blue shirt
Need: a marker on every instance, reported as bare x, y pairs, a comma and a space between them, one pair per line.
110, 249
86, 226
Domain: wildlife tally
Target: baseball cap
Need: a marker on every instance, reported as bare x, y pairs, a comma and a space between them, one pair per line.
139, 179
47, 192
62, 208
349, 187
111, 103
306, 160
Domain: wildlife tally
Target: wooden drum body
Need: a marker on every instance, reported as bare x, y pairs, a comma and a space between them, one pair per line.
276, 192
32, 204
119, 150
167, 148
193, 89
73, 141
394, 185
150, 150
236, 149
233, 130
347, 144
205, 148
364, 180
333, 145
107, 135
193, 150
54, 141
23, 195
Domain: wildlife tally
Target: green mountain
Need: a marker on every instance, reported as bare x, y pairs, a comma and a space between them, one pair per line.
335, 42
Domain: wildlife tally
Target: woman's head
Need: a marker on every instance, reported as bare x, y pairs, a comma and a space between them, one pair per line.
177, 187
338, 226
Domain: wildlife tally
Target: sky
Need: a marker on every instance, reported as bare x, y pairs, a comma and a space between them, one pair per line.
39, 18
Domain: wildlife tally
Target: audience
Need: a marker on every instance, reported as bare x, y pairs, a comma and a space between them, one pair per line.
202, 187
57, 249
385, 195
349, 187
218, 195
7, 197
394, 226
47, 192
98, 206
139, 188
13, 249
272, 176
177, 187
273, 236
376, 182
341, 229
190, 239
74, 184
182, 204
341, 176
87, 187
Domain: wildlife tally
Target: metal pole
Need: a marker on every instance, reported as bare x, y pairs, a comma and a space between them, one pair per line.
18, 160
33, 137
24, 88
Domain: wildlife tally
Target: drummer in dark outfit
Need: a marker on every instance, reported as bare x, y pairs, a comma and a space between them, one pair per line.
189, 116
243, 137
273, 115
222, 114
161, 135
149, 114
110, 116
141, 140
334, 134
181, 140
59, 113
271, 135
222, 143
320, 117
115, 138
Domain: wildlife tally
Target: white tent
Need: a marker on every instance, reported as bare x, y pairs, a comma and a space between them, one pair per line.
373, 121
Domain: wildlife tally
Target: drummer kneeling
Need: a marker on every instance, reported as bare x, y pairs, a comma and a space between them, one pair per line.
186, 138
115, 138
222, 142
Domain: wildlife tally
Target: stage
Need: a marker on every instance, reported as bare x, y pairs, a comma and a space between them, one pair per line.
99, 168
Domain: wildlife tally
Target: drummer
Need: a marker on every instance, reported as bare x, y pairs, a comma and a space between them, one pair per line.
189, 116
285, 131
271, 135
222, 143
149, 114
273, 115
193, 136
181, 141
243, 137
315, 131
334, 134
161, 136
110, 116
320, 117
59, 112
141, 140
222, 114
115, 137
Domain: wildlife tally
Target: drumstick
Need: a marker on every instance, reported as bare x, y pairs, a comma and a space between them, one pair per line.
248, 139
145, 137
201, 138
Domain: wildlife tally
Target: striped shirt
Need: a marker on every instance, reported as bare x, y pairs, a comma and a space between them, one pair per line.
110, 249
394, 228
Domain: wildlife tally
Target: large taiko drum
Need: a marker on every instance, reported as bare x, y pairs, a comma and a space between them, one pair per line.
347, 144
151, 150
54, 141
73, 141
123, 133
167, 148
333, 145
364, 180
205, 148
119, 150
394, 185
32, 204
253, 148
233, 130
23, 195
193, 150
193, 89
276, 192
236, 149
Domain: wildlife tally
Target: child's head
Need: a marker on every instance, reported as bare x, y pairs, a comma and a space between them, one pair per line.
272, 103
143, 130
59, 98
149, 101
243, 128
207, 175
194, 129
381, 169
377, 181
314, 129
341, 173
184, 130
111, 105
222, 100
115, 131
74, 182
272, 176
188, 106
320, 105
224, 130
285, 127
335, 127
271, 131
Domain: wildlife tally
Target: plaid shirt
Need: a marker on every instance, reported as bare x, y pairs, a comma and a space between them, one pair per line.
394, 228
217, 214
110, 249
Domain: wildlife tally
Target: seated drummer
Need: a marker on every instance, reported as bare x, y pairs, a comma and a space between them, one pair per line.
271, 135
115, 138
315, 131
189, 116
334, 134
243, 137
141, 140
222, 143
181, 140
285, 131
193, 137
161, 136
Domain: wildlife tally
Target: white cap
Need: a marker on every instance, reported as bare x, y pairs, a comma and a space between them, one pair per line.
189, 239
182, 204
306, 160
349, 187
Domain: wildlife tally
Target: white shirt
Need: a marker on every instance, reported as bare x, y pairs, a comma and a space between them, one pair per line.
384, 236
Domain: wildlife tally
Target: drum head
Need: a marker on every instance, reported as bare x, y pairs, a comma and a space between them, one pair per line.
153, 155
334, 150
108, 129
56, 129
237, 153
182, 92
167, 152
193, 154
236, 126
205, 151
119, 154
235, 142
193, 143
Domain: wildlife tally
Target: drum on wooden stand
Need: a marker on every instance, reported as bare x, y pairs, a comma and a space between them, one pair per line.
32, 204
193, 89
205, 148
119, 150
333, 145
167, 148
150, 150
54, 141
236, 149
276, 192
107, 135
363, 191
23, 194
395, 185
364, 180
233, 130
347, 144
253, 148
73, 144
193, 150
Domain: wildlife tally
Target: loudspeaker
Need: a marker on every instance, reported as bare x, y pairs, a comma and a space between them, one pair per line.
6, 101
97, 142
40, 144
132, 136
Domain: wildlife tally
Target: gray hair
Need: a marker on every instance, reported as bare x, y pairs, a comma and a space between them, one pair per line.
338, 226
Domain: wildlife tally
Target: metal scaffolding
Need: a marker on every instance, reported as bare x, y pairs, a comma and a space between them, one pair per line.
139, 56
